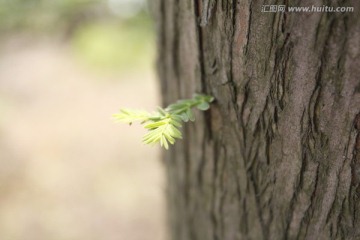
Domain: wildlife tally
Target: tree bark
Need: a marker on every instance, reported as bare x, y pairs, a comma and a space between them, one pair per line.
278, 154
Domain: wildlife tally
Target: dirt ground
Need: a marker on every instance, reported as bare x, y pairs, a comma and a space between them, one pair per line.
67, 171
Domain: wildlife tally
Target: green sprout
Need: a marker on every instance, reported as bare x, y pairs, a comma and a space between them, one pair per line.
163, 125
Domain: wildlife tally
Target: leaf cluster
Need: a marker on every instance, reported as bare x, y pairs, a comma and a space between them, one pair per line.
163, 125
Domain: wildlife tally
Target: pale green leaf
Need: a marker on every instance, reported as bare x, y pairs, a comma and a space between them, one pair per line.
129, 116
163, 125
203, 106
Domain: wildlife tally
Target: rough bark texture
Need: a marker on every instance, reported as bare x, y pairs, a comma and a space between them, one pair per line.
278, 154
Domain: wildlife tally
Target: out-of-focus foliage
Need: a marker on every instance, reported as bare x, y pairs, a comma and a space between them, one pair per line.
125, 46
46, 15
104, 34
52, 15
66, 171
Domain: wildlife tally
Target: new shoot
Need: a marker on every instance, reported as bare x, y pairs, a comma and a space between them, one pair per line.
163, 125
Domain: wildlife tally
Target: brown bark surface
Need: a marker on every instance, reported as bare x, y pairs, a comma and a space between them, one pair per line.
278, 154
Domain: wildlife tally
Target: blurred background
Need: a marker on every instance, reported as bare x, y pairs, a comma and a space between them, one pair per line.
67, 171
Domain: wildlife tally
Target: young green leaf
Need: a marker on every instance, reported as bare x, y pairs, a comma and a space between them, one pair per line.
163, 131
163, 125
203, 106
129, 116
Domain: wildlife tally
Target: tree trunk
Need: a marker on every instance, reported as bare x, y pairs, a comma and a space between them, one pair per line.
278, 154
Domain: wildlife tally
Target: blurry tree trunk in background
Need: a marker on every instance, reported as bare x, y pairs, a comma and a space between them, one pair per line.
278, 154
